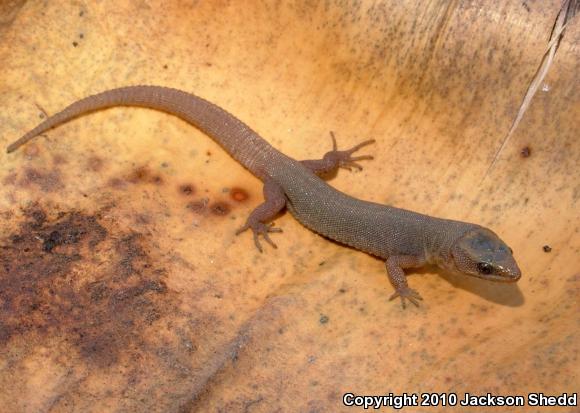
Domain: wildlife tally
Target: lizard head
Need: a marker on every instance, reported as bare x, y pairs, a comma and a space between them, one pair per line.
481, 253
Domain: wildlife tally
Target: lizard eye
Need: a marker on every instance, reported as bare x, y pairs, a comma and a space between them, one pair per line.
485, 268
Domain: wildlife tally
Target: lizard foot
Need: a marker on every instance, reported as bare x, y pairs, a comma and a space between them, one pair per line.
259, 228
407, 293
344, 158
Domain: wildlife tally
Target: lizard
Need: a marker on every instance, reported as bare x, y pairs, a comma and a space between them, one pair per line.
403, 239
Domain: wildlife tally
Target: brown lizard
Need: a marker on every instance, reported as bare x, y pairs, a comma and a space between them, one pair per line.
404, 239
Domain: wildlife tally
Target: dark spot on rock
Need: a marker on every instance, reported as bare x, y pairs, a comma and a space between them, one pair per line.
51, 241
165, 66
208, 153
323, 319
58, 159
239, 194
32, 174
141, 174
71, 229
526, 152
94, 163
342, 290
198, 206
526, 6
187, 189
15, 239
117, 183
81, 35
142, 219
220, 208
51, 290
46, 181
132, 256
131, 292
144, 175
37, 216
75, 43
547, 248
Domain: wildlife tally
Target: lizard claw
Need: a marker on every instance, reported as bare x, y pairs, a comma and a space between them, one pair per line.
351, 162
407, 293
345, 158
260, 228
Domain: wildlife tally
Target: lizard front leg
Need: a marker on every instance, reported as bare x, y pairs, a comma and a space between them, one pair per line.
334, 159
274, 202
395, 265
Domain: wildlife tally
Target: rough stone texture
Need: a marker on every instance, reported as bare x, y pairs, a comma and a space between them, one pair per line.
122, 285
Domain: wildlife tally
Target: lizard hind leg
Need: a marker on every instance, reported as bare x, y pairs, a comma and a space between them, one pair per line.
274, 202
334, 159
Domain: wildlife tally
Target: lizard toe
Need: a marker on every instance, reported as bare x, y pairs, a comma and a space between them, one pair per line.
260, 229
407, 294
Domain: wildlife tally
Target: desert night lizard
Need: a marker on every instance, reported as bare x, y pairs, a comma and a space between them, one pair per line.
402, 238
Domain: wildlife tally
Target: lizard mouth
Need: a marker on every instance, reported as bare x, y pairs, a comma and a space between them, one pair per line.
506, 277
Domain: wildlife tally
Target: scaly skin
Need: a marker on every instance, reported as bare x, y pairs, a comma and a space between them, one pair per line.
404, 239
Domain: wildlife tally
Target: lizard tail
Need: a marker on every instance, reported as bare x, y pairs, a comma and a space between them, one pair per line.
237, 138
